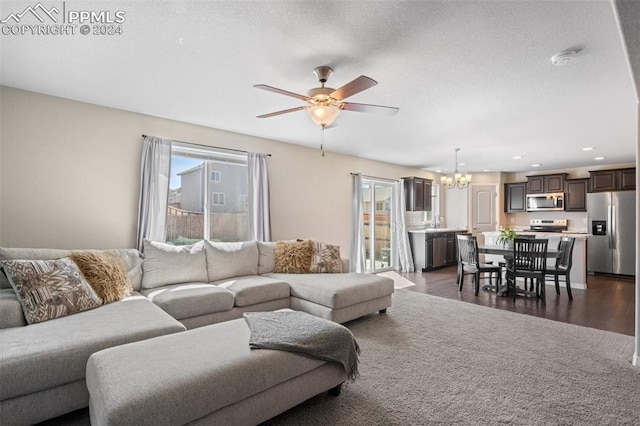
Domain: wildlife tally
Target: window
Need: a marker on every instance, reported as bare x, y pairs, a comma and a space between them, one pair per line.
243, 200
217, 199
199, 212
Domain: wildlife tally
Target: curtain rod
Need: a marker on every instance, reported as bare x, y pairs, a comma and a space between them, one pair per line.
209, 146
375, 177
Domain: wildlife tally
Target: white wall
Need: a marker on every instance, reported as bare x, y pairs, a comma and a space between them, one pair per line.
69, 175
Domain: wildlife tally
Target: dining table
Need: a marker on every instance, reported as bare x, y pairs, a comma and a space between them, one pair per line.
507, 253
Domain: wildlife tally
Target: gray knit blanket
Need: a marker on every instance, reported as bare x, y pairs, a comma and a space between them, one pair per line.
304, 334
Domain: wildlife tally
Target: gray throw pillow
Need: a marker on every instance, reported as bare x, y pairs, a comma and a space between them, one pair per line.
266, 257
227, 260
165, 264
49, 289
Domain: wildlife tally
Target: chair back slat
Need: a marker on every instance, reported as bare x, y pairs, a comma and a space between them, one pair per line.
468, 249
530, 254
565, 247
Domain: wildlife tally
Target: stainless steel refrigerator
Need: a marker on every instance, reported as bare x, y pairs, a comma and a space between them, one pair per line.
612, 222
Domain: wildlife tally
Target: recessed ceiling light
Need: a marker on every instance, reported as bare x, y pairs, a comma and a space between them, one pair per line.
589, 148
535, 165
486, 170
517, 157
438, 171
599, 158
462, 164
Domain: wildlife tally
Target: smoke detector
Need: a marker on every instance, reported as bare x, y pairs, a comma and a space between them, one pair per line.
563, 57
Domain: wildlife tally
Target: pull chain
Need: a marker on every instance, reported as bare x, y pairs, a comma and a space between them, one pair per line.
322, 141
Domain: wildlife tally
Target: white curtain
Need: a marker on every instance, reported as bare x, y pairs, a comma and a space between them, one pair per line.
358, 254
401, 235
259, 216
154, 189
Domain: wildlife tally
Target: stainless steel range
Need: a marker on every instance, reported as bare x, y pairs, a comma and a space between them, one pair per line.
548, 225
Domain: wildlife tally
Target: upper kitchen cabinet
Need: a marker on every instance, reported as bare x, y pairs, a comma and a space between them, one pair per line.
417, 193
515, 197
626, 179
613, 180
576, 195
542, 184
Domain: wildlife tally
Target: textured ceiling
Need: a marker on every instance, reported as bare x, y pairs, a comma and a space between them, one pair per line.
470, 74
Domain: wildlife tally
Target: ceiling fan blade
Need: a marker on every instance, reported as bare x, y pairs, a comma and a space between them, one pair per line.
376, 109
284, 111
280, 91
355, 86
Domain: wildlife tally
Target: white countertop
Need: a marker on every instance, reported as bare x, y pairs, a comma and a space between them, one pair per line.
580, 235
436, 230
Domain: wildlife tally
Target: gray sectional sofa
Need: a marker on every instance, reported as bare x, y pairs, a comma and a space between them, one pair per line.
42, 366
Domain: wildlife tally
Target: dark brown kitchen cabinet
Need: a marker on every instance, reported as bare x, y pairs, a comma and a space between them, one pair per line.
576, 195
417, 193
626, 179
543, 184
432, 250
612, 180
515, 197
603, 180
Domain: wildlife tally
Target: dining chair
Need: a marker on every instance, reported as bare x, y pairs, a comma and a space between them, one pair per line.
504, 264
563, 265
469, 264
529, 261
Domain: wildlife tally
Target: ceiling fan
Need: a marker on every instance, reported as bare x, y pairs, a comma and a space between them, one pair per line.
325, 103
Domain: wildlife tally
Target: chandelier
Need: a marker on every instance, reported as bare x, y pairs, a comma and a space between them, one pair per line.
457, 181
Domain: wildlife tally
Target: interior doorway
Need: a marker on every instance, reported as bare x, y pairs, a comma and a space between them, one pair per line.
483, 208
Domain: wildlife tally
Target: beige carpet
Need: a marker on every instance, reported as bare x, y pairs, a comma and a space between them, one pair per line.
398, 280
432, 361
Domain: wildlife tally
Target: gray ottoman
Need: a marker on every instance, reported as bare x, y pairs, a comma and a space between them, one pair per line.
208, 375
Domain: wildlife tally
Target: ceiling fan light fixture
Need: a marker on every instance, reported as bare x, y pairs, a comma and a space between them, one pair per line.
323, 115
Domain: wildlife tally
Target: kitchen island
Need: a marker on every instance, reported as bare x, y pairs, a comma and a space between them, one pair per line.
434, 248
579, 267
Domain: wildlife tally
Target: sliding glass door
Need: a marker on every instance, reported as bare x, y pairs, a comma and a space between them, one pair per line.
377, 199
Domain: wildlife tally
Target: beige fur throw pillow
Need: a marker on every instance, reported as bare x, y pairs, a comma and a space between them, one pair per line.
293, 257
105, 272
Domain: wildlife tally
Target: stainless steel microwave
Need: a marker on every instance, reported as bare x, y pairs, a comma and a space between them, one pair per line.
545, 202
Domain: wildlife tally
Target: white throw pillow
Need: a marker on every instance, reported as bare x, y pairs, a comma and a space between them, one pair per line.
228, 260
166, 264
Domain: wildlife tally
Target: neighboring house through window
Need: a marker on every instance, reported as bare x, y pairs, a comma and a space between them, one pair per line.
207, 208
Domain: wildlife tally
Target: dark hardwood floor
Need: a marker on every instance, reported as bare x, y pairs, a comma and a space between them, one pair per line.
608, 303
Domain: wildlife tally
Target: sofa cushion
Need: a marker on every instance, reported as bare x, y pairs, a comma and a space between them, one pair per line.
254, 289
191, 300
266, 257
131, 258
49, 289
325, 258
226, 260
336, 290
166, 264
105, 272
11, 314
293, 257
49, 354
